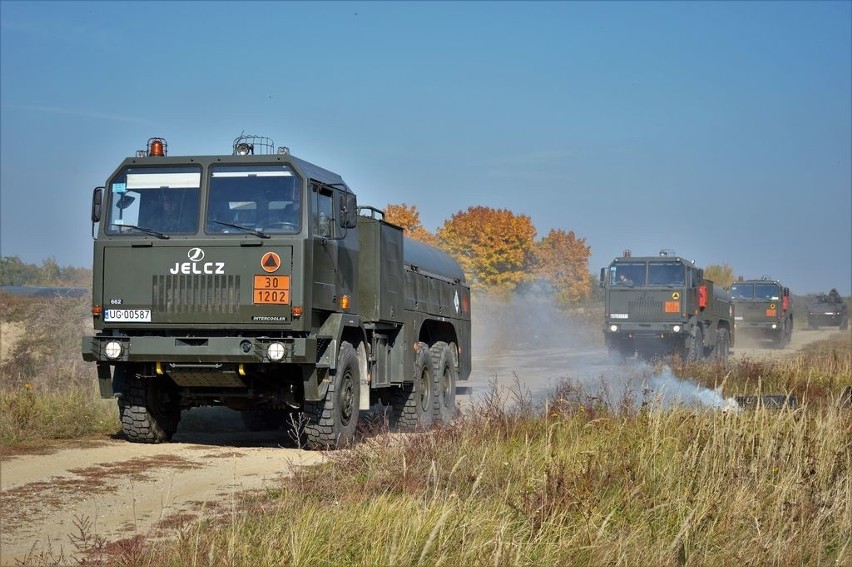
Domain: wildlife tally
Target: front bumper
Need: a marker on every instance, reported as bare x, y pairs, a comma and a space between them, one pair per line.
244, 350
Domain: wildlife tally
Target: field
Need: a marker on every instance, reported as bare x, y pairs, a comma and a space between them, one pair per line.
582, 472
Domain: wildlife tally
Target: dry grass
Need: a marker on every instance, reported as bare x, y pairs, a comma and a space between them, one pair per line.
585, 483
47, 392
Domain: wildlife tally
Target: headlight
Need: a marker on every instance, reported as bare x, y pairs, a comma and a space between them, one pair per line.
113, 349
774, 326
275, 352
676, 328
613, 328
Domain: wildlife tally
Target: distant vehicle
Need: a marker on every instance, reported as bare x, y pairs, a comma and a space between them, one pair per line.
828, 311
659, 305
763, 310
254, 281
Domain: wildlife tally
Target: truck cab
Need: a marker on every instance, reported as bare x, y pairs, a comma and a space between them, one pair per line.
662, 305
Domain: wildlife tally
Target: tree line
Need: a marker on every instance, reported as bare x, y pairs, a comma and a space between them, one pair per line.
499, 252
13, 271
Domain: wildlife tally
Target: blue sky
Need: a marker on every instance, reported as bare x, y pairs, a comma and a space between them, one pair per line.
722, 130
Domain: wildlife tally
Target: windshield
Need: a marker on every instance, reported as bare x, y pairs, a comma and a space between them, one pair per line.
767, 291
742, 291
666, 273
627, 274
154, 200
265, 199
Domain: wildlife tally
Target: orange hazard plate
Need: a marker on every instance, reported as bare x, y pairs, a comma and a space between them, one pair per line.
272, 289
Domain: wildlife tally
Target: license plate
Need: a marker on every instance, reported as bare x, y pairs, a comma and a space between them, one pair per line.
272, 290
128, 315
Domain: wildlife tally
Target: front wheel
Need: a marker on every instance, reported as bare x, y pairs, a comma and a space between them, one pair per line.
844, 323
148, 408
694, 348
723, 345
331, 422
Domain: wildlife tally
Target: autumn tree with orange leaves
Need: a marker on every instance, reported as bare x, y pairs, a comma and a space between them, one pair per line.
495, 247
562, 260
408, 218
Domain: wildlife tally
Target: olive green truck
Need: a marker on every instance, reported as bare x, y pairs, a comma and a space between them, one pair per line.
252, 280
662, 305
763, 310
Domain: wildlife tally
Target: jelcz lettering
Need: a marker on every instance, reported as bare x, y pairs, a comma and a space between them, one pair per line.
197, 268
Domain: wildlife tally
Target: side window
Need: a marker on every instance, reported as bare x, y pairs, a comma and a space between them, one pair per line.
322, 216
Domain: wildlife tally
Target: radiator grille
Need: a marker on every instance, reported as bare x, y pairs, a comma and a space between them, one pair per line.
196, 293
645, 309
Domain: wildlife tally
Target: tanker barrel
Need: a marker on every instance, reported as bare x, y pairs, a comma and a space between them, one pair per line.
429, 260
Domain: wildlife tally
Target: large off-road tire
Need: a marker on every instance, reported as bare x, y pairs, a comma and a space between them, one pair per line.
413, 406
263, 419
844, 323
619, 349
331, 422
694, 346
444, 367
148, 408
722, 349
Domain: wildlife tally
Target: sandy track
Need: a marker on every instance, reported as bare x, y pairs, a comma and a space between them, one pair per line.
122, 489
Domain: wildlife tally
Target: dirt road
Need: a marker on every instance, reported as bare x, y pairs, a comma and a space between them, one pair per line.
120, 489
117, 490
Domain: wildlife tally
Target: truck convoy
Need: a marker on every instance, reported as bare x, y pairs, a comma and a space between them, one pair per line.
828, 310
254, 281
763, 310
662, 305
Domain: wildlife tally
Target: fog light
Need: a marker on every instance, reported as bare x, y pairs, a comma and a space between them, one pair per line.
676, 328
613, 328
113, 349
275, 352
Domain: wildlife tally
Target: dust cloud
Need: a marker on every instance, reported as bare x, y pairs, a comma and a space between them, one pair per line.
527, 348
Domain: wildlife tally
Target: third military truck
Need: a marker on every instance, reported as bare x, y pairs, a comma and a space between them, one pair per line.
253, 280
763, 310
662, 305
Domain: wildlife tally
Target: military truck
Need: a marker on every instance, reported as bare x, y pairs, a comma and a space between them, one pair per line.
662, 305
253, 280
828, 310
763, 310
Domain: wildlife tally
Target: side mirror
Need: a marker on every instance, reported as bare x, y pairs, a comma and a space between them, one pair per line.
700, 274
97, 199
348, 211
603, 276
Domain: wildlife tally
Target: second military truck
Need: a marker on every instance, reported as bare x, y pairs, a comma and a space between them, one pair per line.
253, 281
763, 310
661, 305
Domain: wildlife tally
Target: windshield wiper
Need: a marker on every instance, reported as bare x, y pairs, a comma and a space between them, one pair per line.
146, 230
253, 231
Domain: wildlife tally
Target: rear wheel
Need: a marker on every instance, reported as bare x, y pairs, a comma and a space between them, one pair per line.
148, 408
331, 422
414, 405
443, 363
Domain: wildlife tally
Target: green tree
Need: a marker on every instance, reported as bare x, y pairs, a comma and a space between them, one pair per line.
721, 275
